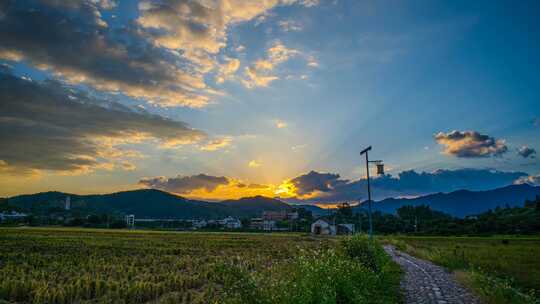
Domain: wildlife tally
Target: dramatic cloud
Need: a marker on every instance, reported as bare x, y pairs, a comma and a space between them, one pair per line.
78, 47
199, 28
207, 187
470, 144
185, 184
315, 181
48, 126
163, 57
526, 152
330, 188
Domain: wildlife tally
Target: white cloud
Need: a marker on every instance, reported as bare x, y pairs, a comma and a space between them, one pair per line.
312, 61
227, 69
217, 143
290, 26
258, 74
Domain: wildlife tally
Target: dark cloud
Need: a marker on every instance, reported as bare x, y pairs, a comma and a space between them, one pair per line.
49, 126
77, 4
252, 186
315, 181
71, 40
526, 152
185, 184
408, 183
470, 144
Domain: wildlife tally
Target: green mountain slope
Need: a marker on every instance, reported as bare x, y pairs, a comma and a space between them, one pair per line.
146, 203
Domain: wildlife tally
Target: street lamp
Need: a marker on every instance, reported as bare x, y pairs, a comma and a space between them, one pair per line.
380, 171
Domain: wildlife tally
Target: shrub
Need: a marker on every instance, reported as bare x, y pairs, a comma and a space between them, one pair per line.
358, 271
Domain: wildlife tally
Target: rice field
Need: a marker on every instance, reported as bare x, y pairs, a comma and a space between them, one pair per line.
57, 265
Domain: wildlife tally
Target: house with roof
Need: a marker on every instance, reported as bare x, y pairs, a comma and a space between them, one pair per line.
323, 226
231, 223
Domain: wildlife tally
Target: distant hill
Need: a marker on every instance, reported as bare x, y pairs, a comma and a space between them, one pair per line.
463, 202
147, 203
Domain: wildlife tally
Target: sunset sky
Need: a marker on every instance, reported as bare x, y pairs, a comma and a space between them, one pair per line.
217, 99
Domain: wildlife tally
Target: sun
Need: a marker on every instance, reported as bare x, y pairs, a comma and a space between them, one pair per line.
286, 189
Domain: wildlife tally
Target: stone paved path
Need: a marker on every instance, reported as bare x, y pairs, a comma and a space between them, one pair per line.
427, 283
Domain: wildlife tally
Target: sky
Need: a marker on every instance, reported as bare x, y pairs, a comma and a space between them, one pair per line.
219, 99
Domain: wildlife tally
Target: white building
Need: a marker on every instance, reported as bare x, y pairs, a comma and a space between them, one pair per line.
68, 203
323, 227
12, 215
269, 225
231, 223
199, 224
130, 220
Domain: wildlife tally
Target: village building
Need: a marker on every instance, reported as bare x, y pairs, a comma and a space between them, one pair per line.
130, 220
279, 215
199, 224
67, 204
13, 215
231, 223
324, 226
269, 225
256, 223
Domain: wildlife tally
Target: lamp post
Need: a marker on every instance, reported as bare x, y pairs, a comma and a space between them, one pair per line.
380, 170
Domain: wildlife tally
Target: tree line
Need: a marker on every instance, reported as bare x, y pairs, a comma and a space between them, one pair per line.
423, 220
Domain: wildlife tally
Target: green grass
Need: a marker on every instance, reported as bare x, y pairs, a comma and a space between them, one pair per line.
50, 265
500, 269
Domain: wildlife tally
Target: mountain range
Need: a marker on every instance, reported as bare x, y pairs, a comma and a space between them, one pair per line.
149, 203
463, 202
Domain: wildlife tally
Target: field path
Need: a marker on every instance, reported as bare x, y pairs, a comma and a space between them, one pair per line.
427, 283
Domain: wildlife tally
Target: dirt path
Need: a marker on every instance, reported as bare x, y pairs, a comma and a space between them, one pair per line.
426, 283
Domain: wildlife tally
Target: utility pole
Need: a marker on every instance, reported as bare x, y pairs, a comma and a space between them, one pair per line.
380, 170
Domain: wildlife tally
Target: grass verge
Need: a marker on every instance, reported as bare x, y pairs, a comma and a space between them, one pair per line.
498, 270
